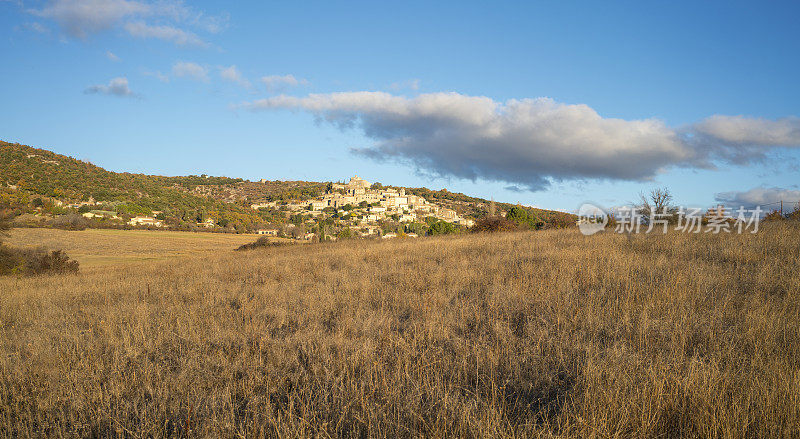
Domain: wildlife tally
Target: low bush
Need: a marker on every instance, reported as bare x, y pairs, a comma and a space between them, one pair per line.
261, 243
773, 216
10, 260
32, 262
495, 224
560, 220
70, 222
795, 213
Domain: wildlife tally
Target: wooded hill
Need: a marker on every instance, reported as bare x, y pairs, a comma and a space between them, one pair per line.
37, 178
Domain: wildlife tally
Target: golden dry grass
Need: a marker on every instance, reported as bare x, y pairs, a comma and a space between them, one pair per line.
102, 247
522, 334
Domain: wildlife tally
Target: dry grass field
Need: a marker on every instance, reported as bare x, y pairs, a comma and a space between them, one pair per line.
509, 335
102, 247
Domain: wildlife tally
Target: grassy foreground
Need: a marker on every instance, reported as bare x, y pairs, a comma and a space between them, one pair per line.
548, 333
102, 247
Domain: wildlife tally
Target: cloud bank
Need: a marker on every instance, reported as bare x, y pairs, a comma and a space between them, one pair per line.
740, 130
115, 87
167, 33
760, 196
533, 142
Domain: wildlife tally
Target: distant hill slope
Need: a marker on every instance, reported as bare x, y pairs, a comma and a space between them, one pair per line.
185, 200
49, 174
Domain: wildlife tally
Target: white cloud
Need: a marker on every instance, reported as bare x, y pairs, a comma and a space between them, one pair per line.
167, 33
115, 87
183, 69
178, 11
760, 196
233, 74
526, 142
112, 57
79, 18
280, 82
741, 139
742, 130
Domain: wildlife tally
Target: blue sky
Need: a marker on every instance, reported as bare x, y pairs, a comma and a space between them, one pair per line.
544, 103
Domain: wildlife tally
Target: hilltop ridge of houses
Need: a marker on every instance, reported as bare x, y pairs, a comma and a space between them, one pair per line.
370, 205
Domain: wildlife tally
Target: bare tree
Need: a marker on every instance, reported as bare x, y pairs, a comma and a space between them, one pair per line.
658, 202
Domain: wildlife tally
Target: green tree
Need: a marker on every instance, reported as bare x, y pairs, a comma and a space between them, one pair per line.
523, 217
296, 219
441, 228
430, 220
420, 229
389, 227
518, 215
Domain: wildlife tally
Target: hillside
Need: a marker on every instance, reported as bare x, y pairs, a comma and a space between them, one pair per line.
47, 186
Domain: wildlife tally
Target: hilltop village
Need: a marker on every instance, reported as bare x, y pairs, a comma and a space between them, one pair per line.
364, 210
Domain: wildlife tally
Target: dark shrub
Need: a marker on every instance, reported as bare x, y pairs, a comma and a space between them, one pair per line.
52, 262
773, 216
561, 220
10, 260
261, 243
70, 222
495, 224
795, 214
32, 262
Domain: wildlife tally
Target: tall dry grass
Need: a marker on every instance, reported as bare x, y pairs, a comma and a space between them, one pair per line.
520, 334
99, 248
